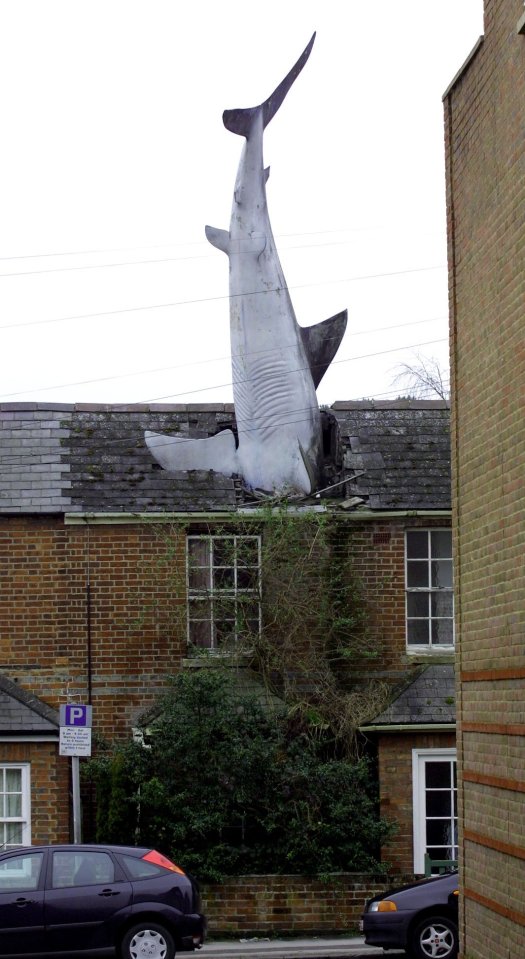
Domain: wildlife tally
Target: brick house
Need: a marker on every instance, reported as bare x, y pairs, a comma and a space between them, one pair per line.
485, 162
92, 611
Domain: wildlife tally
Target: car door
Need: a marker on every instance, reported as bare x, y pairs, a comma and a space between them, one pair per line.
22, 902
87, 897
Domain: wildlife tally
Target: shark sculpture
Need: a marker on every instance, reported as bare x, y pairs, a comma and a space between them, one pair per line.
276, 364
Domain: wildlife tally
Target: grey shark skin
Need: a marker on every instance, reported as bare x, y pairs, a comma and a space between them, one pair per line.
276, 364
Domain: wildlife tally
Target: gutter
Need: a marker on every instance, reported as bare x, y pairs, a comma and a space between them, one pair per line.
464, 66
409, 728
78, 519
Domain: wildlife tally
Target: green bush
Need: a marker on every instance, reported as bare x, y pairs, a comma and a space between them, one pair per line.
227, 786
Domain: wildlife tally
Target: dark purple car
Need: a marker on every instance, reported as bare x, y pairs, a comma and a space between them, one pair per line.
421, 918
105, 899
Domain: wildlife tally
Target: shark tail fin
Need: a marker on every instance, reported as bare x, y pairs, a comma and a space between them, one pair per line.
240, 120
321, 342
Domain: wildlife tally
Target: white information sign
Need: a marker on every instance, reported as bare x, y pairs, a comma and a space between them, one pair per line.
75, 729
75, 741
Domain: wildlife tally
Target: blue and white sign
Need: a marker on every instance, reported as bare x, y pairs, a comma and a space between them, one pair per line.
76, 714
75, 729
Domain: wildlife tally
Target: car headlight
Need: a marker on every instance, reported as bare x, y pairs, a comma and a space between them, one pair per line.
384, 905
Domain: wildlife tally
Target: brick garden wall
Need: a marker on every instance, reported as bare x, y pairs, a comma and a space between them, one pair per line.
280, 905
484, 123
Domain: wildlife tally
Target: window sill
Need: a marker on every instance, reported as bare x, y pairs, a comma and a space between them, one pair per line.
215, 657
446, 655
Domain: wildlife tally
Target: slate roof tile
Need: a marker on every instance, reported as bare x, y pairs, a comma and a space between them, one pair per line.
98, 461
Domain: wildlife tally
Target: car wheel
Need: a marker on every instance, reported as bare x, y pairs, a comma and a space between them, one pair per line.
435, 937
148, 940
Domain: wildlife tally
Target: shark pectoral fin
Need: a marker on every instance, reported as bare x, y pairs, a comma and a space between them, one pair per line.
217, 453
310, 470
321, 342
266, 174
218, 238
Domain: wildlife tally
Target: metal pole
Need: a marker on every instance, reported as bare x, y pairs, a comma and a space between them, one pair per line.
75, 782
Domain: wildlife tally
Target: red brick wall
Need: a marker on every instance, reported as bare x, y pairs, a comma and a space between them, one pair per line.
49, 789
379, 551
128, 629
484, 123
115, 594
395, 781
279, 905
73, 593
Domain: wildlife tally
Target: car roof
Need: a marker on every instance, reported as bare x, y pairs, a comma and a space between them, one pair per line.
137, 851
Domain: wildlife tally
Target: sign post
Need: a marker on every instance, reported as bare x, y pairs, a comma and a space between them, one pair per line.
75, 741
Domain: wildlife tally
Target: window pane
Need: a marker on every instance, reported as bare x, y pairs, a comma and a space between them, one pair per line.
439, 803
198, 551
21, 873
417, 575
417, 544
441, 543
81, 869
442, 632
442, 573
248, 579
223, 551
440, 832
438, 774
200, 635
141, 869
417, 604
247, 551
199, 576
441, 604
417, 632
13, 805
224, 578
12, 834
13, 779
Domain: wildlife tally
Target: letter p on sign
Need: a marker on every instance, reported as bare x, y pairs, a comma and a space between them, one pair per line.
75, 714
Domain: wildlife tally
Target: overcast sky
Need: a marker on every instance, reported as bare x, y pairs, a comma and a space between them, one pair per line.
114, 157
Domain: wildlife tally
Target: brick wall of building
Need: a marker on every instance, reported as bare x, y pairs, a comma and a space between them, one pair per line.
280, 905
97, 612
101, 608
484, 123
395, 782
49, 778
91, 608
378, 548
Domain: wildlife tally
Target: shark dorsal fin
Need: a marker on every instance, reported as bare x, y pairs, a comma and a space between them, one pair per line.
321, 342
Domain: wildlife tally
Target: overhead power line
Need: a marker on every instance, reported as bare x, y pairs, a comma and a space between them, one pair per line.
210, 299
215, 386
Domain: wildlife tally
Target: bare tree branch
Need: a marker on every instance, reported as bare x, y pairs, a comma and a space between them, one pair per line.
424, 378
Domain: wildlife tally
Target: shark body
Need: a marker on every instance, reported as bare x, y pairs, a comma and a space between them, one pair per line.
276, 364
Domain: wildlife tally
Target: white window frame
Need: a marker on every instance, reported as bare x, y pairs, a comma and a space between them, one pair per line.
214, 594
427, 591
420, 757
25, 817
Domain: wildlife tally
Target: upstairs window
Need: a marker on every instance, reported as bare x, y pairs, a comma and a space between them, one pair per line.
223, 579
429, 595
